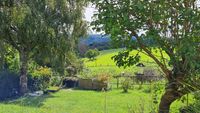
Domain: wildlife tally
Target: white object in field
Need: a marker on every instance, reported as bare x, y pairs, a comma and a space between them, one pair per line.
35, 94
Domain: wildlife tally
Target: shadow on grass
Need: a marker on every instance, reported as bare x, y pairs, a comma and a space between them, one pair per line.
92, 90
122, 92
29, 101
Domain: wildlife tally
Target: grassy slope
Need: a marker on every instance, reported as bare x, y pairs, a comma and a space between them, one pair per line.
104, 58
81, 101
104, 63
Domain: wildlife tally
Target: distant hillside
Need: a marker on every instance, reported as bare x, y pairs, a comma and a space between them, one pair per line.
94, 41
103, 42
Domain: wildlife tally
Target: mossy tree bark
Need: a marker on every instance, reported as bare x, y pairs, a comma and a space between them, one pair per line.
23, 72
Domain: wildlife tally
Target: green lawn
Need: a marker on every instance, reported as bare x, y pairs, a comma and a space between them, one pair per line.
83, 101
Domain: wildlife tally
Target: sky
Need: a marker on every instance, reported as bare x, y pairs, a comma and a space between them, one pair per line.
89, 12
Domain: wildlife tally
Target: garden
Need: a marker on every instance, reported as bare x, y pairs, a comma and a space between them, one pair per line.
134, 56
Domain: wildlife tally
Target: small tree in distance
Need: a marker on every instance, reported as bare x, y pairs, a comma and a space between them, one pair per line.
92, 53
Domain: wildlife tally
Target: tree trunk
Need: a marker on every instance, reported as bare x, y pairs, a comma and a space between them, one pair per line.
171, 94
2, 57
23, 73
1, 62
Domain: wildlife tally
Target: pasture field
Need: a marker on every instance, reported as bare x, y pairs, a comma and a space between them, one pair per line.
104, 63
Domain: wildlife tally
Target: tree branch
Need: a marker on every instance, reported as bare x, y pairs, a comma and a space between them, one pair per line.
162, 66
12, 42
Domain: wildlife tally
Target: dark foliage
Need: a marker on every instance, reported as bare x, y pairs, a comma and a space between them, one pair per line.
194, 107
36, 83
70, 82
9, 85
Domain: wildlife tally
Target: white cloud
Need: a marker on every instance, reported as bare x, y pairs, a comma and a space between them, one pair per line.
89, 12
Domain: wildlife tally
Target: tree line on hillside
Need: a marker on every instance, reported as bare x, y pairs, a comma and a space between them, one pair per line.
104, 42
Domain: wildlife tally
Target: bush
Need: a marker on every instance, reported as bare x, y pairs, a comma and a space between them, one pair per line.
56, 81
126, 84
92, 53
103, 77
40, 79
9, 85
194, 107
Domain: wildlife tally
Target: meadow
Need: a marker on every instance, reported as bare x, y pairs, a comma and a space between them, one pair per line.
104, 63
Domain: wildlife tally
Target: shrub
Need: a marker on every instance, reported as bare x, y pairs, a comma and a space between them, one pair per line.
194, 107
103, 77
56, 81
126, 84
40, 79
9, 85
156, 91
87, 74
92, 53
71, 70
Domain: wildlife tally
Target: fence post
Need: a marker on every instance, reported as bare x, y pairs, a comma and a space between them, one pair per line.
117, 82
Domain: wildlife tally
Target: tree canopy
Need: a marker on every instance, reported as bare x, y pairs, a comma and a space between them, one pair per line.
40, 29
174, 27
92, 53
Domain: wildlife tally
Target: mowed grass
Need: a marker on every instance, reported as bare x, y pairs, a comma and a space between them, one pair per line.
84, 101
